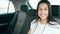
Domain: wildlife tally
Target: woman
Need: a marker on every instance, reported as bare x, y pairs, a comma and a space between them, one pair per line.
45, 23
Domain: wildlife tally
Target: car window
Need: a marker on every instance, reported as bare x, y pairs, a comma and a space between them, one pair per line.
6, 6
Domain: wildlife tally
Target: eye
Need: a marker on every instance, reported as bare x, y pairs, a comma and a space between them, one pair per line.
40, 9
45, 9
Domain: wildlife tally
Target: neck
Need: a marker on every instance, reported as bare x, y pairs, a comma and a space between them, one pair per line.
43, 21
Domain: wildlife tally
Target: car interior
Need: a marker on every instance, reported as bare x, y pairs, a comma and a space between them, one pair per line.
18, 21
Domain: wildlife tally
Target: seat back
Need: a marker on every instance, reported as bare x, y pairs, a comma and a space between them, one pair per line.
31, 14
55, 12
21, 18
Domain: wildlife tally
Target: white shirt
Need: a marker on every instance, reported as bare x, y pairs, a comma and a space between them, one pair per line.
38, 28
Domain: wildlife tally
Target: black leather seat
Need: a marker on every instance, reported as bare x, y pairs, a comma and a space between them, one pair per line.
55, 12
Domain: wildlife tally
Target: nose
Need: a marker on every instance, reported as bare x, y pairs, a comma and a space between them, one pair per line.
42, 11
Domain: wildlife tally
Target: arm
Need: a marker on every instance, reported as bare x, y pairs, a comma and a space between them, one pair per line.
29, 32
32, 26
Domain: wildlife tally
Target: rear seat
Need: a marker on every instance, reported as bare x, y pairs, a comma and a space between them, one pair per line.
55, 12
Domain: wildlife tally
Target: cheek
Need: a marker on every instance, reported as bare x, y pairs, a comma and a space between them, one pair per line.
46, 13
39, 12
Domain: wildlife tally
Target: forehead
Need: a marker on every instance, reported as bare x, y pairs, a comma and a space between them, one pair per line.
43, 5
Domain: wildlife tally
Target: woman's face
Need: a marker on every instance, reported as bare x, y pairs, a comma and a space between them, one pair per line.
43, 11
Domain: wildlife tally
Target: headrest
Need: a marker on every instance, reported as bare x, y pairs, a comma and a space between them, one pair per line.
32, 12
24, 8
55, 10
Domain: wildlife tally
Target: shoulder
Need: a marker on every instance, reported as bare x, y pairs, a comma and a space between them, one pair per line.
33, 25
55, 25
34, 21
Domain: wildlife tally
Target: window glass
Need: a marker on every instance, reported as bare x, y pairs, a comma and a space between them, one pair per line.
4, 4
54, 2
33, 3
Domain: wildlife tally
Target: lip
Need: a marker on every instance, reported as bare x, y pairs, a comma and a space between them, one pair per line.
42, 15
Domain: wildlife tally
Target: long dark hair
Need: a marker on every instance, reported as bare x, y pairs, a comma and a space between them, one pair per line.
50, 17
